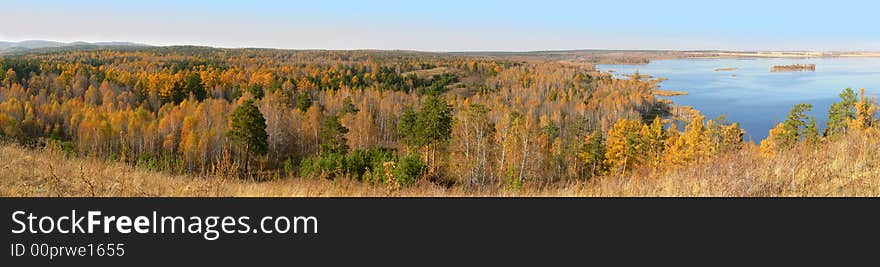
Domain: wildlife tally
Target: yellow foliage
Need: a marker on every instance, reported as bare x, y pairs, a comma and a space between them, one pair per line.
693, 145
655, 142
865, 109
770, 145
624, 146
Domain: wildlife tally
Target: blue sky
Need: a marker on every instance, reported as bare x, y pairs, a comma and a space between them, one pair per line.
454, 25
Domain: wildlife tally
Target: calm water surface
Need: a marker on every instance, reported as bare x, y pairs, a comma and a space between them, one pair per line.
754, 96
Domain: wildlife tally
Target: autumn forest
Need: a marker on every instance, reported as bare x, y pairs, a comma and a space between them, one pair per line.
187, 120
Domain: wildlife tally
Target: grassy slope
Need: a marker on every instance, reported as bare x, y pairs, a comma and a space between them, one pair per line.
847, 167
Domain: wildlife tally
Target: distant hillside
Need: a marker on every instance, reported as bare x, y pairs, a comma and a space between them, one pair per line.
593, 56
37, 44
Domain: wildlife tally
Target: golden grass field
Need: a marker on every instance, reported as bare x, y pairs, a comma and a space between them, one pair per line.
846, 167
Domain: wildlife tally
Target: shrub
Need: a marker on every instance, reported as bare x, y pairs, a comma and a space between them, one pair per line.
359, 161
408, 169
289, 165
149, 161
367, 165
321, 164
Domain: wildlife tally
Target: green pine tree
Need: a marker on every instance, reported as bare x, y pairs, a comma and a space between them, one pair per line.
193, 85
178, 92
795, 125
592, 153
248, 129
333, 136
257, 91
303, 101
407, 129
434, 125
812, 131
348, 106
841, 112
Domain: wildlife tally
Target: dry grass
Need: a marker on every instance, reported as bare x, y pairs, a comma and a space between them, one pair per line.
848, 167
25, 172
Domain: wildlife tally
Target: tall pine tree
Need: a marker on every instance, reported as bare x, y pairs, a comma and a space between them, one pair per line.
248, 129
333, 136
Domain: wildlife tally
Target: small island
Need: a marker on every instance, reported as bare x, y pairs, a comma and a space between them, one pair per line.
669, 92
638, 76
726, 69
794, 67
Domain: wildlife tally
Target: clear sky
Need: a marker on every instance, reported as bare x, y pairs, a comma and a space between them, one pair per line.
454, 25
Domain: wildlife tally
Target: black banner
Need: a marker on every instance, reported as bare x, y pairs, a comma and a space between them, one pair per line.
419, 231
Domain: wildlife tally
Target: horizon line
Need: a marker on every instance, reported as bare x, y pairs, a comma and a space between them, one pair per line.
550, 50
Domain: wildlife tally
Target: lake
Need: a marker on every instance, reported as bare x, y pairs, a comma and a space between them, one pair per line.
754, 96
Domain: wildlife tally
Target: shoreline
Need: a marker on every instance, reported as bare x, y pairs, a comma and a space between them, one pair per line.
777, 54
710, 55
660, 92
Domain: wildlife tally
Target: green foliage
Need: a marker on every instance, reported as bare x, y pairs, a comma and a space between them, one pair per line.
289, 165
512, 178
303, 101
162, 162
257, 91
366, 165
348, 107
66, 147
430, 127
248, 128
407, 128
433, 122
178, 92
408, 169
149, 162
389, 79
841, 112
811, 132
551, 131
235, 94
592, 153
275, 86
333, 136
193, 85
324, 164
359, 161
444, 79
434, 86
795, 125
